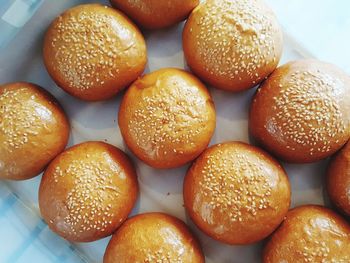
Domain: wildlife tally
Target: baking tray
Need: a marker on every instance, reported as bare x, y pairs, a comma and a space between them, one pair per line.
24, 237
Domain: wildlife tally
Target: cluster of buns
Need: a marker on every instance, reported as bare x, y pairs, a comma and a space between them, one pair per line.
234, 192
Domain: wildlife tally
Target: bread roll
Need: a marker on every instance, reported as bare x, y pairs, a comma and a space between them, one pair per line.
33, 130
232, 44
236, 193
167, 118
309, 234
338, 180
88, 191
153, 237
301, 113
93, 51
155, 14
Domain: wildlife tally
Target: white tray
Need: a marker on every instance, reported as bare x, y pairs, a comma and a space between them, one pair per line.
161, 190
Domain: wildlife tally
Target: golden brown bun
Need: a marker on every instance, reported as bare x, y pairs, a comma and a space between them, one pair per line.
338, 179
88, 191
93, 51
167, 118
232, 44
33, 130
312, 234
236, 193
155, 14
301, 113
153, 237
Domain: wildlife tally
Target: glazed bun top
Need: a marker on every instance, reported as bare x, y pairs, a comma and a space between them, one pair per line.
167, 118
236, 193
310, 234
338, 179
88, 191
301, 113
93, 51
154, 14
33, 130
153, 237
232, 44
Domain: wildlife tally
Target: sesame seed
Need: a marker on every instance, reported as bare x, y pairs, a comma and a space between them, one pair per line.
315, 251
160, 256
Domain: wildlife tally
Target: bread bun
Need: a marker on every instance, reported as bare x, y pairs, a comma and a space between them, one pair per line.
93, 51
236, 193
310, 234
338, 180
232, 44
167, 118
301, 113
153, 237
88, 191
33, 130
155, 14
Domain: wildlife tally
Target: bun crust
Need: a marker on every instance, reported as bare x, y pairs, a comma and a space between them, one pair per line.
301, 113
33, 130
232, 45
167, 118
236, 193
93, 51
153, 237
88, 191
338, 179
155, 14
310, 234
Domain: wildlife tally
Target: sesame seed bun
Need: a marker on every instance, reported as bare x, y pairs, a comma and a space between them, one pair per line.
153, 237
33, 130
232, 44
310, 233
338, 179
236, 193
155, 14
88, 191
93, 51
167, 118
301, 113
